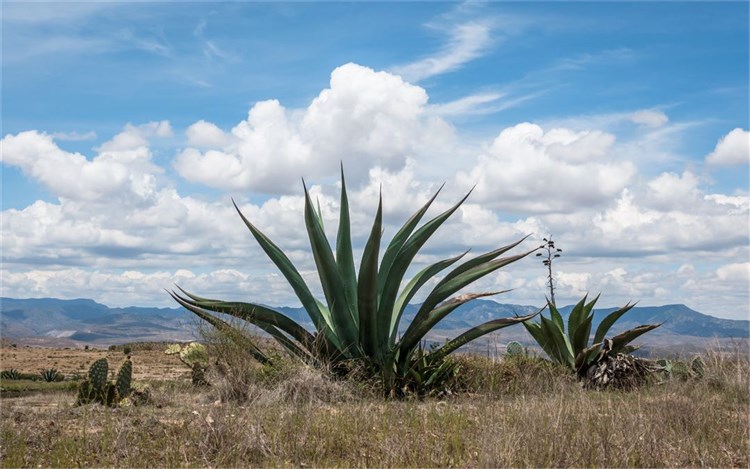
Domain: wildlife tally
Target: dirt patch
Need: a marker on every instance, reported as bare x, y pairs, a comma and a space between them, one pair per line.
147, 364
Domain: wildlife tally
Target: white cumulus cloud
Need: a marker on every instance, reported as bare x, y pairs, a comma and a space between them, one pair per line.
122, 169
365, 119
526, 169
731, 149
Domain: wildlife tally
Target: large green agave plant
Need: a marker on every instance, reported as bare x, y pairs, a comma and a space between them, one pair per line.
359, 320
572, 348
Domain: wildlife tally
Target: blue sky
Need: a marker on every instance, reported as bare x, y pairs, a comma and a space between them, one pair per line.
620, 128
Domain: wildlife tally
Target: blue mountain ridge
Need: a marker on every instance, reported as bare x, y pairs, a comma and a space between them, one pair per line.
87, 320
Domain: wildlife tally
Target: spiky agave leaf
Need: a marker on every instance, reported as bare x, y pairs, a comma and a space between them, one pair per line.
345, 324
367, 288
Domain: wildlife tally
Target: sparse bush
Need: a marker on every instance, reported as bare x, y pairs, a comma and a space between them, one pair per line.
239, 380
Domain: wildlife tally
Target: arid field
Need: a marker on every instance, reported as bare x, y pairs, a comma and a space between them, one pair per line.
519, 412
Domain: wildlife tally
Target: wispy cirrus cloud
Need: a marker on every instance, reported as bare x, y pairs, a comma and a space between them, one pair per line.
481, 104
467, 41
581, 61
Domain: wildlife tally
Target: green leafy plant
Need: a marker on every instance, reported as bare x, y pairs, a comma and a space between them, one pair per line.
680, 370
571, 347
358, 324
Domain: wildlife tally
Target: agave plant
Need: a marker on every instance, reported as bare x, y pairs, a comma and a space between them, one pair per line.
359, 321
572, 348
51, 375
10, 374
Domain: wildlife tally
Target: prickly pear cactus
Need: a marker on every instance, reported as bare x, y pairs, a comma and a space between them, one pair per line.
666, 365
123, 379
141, 395
680, 370
698, 366
112, 397
198, 375
98, 374
514, 349
194, 353
173, 349
86, 393
96, 388
195, 356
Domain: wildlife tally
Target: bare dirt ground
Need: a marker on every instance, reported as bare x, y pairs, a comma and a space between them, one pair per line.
147, 364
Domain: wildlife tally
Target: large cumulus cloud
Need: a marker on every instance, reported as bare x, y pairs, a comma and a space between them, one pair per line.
528, 169
364, 119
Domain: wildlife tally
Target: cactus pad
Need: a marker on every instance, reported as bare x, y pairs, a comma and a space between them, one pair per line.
680, 370
698, 366
123, 378
98, 374
86, 393
514, 349
112, 398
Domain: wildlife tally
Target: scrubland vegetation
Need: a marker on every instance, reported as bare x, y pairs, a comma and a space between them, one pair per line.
520, 411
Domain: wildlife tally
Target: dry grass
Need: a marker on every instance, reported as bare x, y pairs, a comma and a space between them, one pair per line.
514, 413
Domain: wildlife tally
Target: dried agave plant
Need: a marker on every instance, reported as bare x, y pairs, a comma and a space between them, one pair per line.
617, 370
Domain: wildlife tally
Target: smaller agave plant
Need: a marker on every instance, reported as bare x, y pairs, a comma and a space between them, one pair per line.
51, 375
571, 348
10, 374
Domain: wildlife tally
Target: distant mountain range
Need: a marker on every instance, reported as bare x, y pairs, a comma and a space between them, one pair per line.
86, 322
